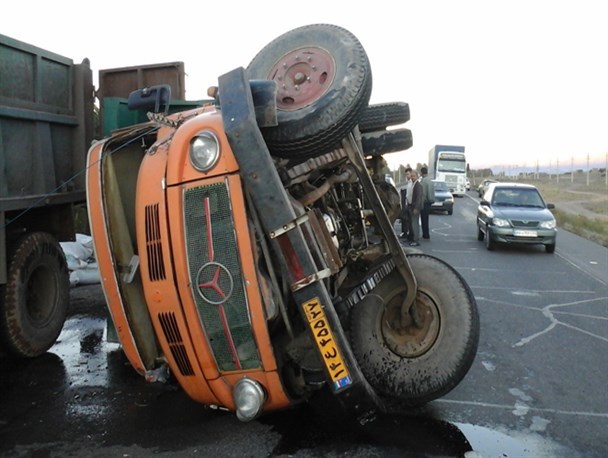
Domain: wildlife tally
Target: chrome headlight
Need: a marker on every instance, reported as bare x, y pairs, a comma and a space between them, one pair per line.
204, 150
548, 224
249, 397
500, 222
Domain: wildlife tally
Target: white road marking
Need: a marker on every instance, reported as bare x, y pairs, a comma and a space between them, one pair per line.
548, 312
532, 409
544, 291
592, 275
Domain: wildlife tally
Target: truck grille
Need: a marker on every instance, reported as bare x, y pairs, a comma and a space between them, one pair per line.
215, 276
174, 337
154, 247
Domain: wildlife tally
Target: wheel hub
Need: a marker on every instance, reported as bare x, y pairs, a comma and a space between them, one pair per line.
302, 76
415, 338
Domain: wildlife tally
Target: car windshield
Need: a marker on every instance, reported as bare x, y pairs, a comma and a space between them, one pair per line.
513, 197
440, 186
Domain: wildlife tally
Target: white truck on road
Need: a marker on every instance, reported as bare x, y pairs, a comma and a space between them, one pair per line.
448, 163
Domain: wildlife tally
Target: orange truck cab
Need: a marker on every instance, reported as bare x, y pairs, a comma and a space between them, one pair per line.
246, 247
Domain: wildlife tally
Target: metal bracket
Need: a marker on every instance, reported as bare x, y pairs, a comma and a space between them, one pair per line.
132, 268
289, 226
310, 279
355, 155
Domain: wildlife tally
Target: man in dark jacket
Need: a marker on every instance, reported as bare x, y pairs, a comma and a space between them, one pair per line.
428, 192
415, 208
406, 223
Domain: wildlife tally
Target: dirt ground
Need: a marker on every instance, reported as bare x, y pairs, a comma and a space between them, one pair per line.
582, 203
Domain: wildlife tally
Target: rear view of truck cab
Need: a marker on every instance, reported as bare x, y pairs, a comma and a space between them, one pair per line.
239, 242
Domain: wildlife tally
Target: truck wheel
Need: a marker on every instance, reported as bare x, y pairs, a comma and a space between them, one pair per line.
382, 115
34, 302
324, 83
415, 364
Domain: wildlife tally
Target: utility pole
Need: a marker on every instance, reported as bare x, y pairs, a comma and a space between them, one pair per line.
557, 172
571, 169
588, 171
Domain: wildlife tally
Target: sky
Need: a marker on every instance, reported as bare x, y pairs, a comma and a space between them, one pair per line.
519, 83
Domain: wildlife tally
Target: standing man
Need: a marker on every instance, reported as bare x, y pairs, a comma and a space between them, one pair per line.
428, 192
415, 208
406, 191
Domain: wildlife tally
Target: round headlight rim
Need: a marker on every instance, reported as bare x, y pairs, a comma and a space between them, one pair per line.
253, 386
209, 134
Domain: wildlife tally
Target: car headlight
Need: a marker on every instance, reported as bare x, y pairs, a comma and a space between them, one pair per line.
450, 199
249, 397
204, 150
500, 222
548, 224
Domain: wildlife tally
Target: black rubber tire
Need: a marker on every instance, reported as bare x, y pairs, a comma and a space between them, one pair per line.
35, 298
490, 244
450, 212
386, 141
382, 115
436, 366
325, 112
550, 248
480, 234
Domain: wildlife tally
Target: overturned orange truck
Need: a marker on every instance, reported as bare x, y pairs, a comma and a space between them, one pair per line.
247, 248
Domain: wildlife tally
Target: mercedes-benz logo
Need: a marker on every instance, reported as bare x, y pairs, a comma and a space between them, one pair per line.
214, 283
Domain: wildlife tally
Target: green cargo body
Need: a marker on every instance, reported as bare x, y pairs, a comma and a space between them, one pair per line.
116, 113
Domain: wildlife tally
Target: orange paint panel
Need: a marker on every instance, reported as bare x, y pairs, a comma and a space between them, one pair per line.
179, 169
157, 276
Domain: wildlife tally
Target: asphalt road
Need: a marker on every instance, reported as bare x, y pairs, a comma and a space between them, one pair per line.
538, 387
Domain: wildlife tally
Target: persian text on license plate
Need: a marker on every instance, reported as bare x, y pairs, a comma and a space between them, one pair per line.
524, 233
326, 343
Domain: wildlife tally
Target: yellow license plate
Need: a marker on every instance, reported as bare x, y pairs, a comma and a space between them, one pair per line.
326, 343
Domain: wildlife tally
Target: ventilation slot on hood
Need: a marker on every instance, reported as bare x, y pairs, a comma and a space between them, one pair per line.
154, 246
174, 339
